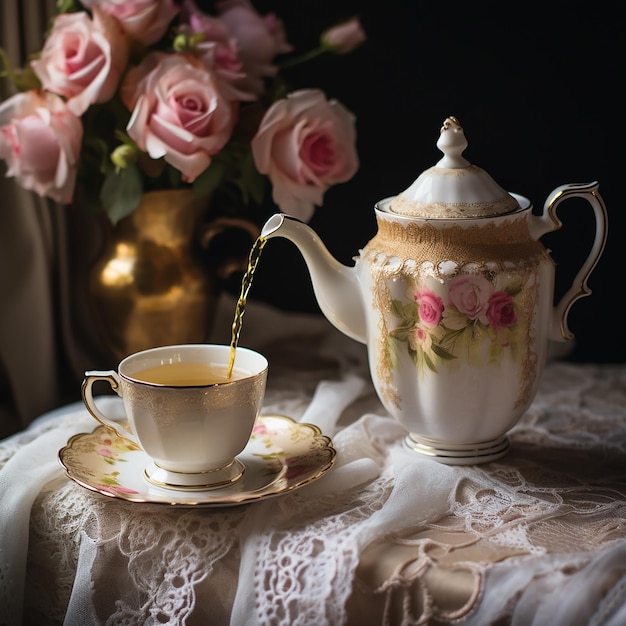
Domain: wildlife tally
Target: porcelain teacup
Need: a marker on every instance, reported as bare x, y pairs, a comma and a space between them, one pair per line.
183, 410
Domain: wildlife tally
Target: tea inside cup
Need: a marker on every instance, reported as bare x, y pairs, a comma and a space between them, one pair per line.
185, 412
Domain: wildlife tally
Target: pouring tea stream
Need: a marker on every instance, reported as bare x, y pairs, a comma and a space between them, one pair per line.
454, 298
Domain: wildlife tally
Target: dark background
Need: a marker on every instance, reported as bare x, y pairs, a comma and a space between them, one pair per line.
539, 93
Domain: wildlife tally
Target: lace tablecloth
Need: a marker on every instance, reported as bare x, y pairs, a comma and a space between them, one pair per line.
538, 537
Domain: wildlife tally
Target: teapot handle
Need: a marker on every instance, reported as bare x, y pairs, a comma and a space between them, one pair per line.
548, 222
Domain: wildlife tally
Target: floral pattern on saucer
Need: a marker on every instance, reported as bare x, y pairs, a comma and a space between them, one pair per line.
281, 455
113, 450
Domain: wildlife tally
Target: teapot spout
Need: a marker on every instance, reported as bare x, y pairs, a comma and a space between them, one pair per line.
336, 286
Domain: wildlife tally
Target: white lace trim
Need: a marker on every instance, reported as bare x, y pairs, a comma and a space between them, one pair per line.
555, 503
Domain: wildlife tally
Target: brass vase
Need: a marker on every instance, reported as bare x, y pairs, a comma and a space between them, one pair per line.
152, 284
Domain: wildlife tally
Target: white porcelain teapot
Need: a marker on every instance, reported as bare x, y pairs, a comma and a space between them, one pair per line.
454, 297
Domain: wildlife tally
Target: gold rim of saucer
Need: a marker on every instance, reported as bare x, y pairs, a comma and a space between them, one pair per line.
219, 477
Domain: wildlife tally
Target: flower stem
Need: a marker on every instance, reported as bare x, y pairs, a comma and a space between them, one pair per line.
304, 58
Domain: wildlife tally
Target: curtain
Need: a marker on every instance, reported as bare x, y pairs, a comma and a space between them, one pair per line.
46, 342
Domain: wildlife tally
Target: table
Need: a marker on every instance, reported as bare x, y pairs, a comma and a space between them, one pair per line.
538, 537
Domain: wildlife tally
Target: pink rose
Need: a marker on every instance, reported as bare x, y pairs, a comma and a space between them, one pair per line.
178, 112
470, 295
501, 310
223, 59
259, 40
430, 307
344, 37
214, 31
420, 338
218, 38
145, 20
305, 144
82, 59
40, 140
219, 50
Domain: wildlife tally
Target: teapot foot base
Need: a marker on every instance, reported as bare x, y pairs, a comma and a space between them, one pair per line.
459, 454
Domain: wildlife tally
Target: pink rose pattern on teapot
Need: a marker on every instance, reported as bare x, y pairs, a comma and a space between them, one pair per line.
457, 302
476, 321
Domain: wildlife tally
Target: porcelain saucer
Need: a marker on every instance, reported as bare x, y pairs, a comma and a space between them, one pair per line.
281, 455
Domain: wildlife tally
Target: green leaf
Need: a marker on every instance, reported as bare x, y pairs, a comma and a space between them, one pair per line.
6, 69
408, 311
494, 354
24, 80
411, 311
125, 138
515, 286
397, 308
251, 182
431, 366
209, 180
450, 336
96, 150
442, 352
173, 176
67, 6
392, 352
401, 333
121, 192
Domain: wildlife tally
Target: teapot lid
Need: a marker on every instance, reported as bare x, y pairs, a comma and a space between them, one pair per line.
453, 188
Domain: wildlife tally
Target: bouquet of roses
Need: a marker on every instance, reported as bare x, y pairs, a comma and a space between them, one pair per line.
131, 96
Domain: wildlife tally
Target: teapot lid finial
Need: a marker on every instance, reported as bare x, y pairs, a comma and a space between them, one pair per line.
452, 142
453, 188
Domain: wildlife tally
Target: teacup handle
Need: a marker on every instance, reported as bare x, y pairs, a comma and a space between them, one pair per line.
113, 379
547, 222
